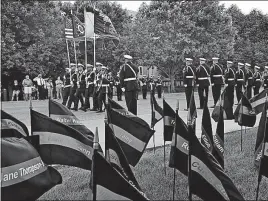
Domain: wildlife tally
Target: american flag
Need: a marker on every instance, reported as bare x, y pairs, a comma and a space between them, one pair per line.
69, 33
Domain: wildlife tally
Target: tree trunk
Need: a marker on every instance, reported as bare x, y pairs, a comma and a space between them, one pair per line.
172, 82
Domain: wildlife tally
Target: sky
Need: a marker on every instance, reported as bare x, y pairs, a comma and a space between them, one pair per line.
245, 6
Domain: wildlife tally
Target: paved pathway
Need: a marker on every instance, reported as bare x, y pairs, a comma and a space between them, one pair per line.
92, 120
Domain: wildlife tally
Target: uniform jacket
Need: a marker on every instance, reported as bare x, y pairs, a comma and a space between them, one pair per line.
81, 80
257, 79
229, 76
216, 74
202, 76
188, 76
144, 83
117, 82
66, 80
240, 77
249, 78
158, 83
90, 81
74, 79
265, 79
128, 77
104, 85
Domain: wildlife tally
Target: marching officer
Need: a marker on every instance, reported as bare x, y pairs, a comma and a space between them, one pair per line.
144, 86
104, 88
66, 85
188, 80
118, 88
152, 85
240, 81
257, 80
202, 80
229, 76
249, 80
95, 91
265, 77
216, 76
111, 81
128, 79
159, 86
73, 87
81, 86
90, 76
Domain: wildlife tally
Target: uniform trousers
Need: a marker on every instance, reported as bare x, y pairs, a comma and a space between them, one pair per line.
159, 91
216, 92
79, 97
249, 92
188, 93
119, 93
40, 92
131, 101
71, 97
95, 98
66, 94
203, 98
238, 92
230, 94
144, 92
101, 100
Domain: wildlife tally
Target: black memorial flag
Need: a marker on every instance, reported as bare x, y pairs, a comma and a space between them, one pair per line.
157, 111
61, 144
206, 127
192, 113
12, 127
132, 134
62, 114
258, 101
179, 147
207, 179
24, 176
169, 121
116, 157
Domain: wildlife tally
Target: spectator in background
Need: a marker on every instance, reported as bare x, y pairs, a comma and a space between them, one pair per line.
40, 86
49, 86
59, 84
27, 87
15, 90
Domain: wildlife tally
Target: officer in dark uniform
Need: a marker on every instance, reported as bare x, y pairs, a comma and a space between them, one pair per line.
240, 81
229, 76
202, 80
265, 77
66, 85
73, 88
90, 76
118, 88
95, 91
81, 86
111, 81
257, 80
249, 80
128, 79
188, 80
144, 86
216, 76
152, 85
104, 88
159, 87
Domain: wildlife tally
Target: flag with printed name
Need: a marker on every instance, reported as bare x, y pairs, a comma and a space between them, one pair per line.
192, 113
207, 179
157, 112
264, 156
132, 135
262, 130
258, 101
169, 121
24, 175
206, 127
179, 147
108, 184
116, 157
244, 113
218, 139
61, 144
12, 127
63, 115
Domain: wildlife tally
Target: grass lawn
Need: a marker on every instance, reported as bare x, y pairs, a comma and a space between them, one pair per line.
150, 174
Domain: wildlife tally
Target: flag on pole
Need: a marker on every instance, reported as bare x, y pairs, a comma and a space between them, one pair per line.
157, 112
78, 27
179, 147
223, 102
12, 127
192, 113
244, 114
264, 158
207, 178
116, 157
108, 184
218, 138
89, 24
258, 101
68, 30
169, 121
206, 135
260, 136
63, 115
61, 144
132, 135
24, 176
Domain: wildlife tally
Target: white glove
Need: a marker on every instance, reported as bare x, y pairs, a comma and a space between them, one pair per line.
123, 89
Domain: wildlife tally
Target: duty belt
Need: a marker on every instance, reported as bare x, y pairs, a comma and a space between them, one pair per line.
159, 84
202, 78
105, 85
217, 75
231, 79
250, 78
89, 83
130, 79
189, 76
67, 85
258, 79
240, 79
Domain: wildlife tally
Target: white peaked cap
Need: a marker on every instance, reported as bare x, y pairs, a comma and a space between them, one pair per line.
215, 58
240, 64
127, 57
257, 67
266, 67
188, 59
247, 64
98, 63
72, 64
202, 59
229, 62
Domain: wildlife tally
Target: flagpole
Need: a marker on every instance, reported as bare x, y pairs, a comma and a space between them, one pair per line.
174, 133
189, 170
31, 107
68, 55
49, 107
241, 138
164, 139
154, 114
75, 57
